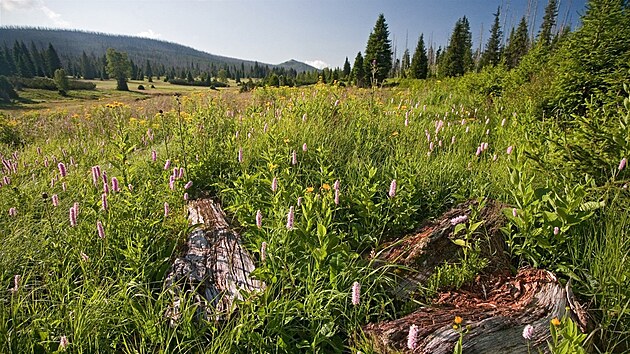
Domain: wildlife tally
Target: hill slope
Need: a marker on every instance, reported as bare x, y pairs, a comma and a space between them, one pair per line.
71, 43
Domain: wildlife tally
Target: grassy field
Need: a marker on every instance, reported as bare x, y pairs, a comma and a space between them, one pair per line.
97, 281
76, 100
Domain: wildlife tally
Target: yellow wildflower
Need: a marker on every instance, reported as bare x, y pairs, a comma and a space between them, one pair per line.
555, 321
326, 186
309, 189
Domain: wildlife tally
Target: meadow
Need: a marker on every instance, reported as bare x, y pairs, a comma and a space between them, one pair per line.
84, 251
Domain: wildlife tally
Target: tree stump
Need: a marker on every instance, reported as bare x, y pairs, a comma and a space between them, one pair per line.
213, 267
495, 307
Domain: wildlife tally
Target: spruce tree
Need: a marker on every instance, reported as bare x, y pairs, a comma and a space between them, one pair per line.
419, 62
148, 71
358, 72
38, 60
595, 60
346, 69
492, 54
457, 59
378, 52
549, 21
517, 45
52, 61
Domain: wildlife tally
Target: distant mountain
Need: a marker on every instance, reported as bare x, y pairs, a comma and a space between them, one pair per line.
71, 44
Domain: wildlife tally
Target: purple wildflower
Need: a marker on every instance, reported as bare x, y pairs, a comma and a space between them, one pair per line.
115, 186
392, 189
185, 196
412, 337
263, 251
509, 150
62, 169
274, 184
166, 209
258, 219
188, 185
12, 212
356, 293
293, 158
240, 155
100, 229
167, 164
55, 200
528, 332
556, 230
459, 219
290, 218
622, 164
73, 216
104, 201
153, 155
304, 147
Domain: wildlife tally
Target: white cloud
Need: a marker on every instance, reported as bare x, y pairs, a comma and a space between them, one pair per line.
10, 5
53, 16
149, 34
320, 64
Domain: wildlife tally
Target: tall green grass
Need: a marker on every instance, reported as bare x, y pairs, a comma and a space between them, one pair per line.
114, 300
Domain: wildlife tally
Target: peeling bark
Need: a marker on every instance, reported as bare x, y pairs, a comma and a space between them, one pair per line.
495, 307
213, 267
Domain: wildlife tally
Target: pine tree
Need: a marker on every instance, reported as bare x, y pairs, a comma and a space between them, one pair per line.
358, 72
517, 45
346, 69
38, 60
4, 64
549, 21
457, 59
404, 64
492, 54
378, 52
86, 67
148, 71
419, 62
52, 61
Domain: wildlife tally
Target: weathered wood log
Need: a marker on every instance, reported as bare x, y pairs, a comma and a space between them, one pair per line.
495, 307
213, 266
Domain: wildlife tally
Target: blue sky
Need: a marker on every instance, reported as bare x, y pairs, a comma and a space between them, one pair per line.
272, 31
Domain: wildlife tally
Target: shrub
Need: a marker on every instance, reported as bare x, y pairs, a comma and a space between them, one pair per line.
7, 92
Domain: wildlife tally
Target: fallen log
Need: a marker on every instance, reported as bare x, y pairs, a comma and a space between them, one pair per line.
495, 307
213, 266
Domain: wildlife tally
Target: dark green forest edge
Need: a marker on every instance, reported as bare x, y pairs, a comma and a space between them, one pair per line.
554, 108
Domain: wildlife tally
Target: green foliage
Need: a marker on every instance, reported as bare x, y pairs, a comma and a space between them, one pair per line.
542, 220
517, 45
378, 53
549, 21
566, 337
61, 81
7, 93
419, 63
492, 54
359, 77
594, 62
457, 58
119, 68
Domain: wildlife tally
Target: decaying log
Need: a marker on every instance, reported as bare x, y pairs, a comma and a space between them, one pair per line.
495, 307
213, 265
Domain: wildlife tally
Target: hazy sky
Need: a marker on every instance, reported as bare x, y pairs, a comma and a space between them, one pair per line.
272, 31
